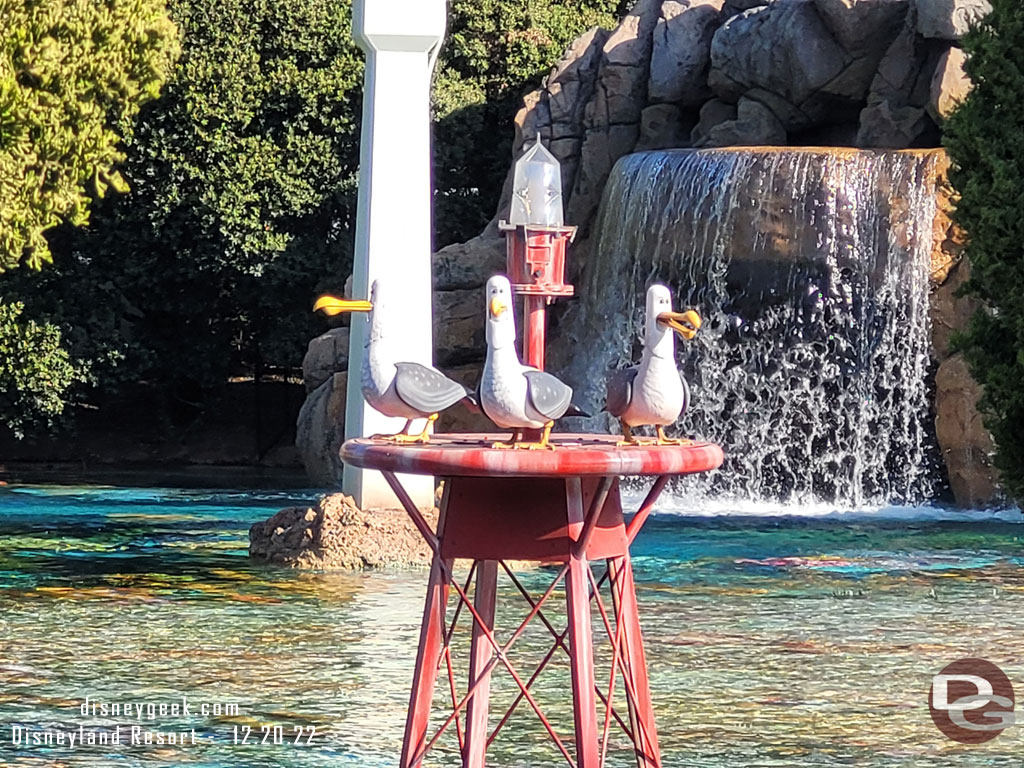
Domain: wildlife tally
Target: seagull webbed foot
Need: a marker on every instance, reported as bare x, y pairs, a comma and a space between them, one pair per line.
542, 444
517, 435
628, 438
663, 439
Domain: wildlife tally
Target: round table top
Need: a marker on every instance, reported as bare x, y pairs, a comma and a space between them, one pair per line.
575, 455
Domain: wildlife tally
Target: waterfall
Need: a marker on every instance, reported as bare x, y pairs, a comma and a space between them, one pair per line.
811, 270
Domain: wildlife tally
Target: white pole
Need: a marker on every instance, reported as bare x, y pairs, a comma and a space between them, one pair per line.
393, 225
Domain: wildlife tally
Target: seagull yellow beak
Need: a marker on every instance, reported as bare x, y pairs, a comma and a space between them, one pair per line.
331, 305
686, 324
497, 307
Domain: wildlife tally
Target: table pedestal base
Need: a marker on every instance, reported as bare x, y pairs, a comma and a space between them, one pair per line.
569, 522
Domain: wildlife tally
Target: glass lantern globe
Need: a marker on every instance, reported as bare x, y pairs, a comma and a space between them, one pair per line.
537, 189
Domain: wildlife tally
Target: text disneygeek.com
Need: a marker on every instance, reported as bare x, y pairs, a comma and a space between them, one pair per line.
157, 723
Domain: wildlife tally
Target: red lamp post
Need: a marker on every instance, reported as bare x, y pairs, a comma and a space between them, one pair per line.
536, 241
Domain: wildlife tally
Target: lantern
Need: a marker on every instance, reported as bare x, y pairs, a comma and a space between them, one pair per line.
536, 240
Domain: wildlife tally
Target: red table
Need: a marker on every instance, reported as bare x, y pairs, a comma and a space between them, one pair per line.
560, 506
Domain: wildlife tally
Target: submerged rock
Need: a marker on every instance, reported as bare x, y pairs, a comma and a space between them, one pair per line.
337, 535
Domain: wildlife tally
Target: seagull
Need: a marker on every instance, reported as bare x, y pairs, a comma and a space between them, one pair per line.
404, 390
654, 392
513, 395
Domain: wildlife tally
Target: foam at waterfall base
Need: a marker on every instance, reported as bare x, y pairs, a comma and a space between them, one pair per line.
700, 504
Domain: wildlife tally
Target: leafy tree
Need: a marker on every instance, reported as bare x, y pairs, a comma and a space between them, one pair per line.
35, 370
985, 139
73, 74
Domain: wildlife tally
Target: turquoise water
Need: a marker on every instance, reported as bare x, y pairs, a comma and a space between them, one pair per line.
773, 639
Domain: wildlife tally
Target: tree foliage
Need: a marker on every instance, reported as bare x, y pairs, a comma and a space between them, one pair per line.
73, 74
985, 140
242, 182
35, 370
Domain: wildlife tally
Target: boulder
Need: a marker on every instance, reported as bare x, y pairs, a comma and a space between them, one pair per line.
950, 84
326, 355
611, 121
755, 125
320, 430
863, 27
966, 445
469, 264
713, 113
458, 325
781, 54
661, 127
896, 113
336, 535
681, 51
884, 126
733, 7
949, 19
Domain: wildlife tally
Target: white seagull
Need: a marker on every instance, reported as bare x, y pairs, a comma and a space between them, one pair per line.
654, 392
513, 395
404, 390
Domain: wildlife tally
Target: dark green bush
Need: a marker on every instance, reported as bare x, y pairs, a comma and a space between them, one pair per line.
985, 140
35, 371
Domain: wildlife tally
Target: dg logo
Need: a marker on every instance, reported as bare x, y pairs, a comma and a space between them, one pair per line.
971, 701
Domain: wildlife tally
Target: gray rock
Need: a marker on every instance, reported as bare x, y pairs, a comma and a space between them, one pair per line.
469, 264
661, 127
950, 84
783, 50
681, 51
896, 115
733, 7
326, 355
713, 113
883, 126
755, 125
320, 430
458, 325
949, 19
863, 27
556, 110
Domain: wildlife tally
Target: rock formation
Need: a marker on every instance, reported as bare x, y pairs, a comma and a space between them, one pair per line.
337, 535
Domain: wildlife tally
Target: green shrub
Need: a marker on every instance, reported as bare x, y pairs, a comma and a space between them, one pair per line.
985, 140
35, 371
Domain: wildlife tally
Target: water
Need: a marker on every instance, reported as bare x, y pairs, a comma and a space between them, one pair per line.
776, 637
811, 269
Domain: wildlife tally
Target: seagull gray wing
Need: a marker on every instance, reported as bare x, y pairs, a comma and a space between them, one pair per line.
548, 396
620, 390
426, 389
